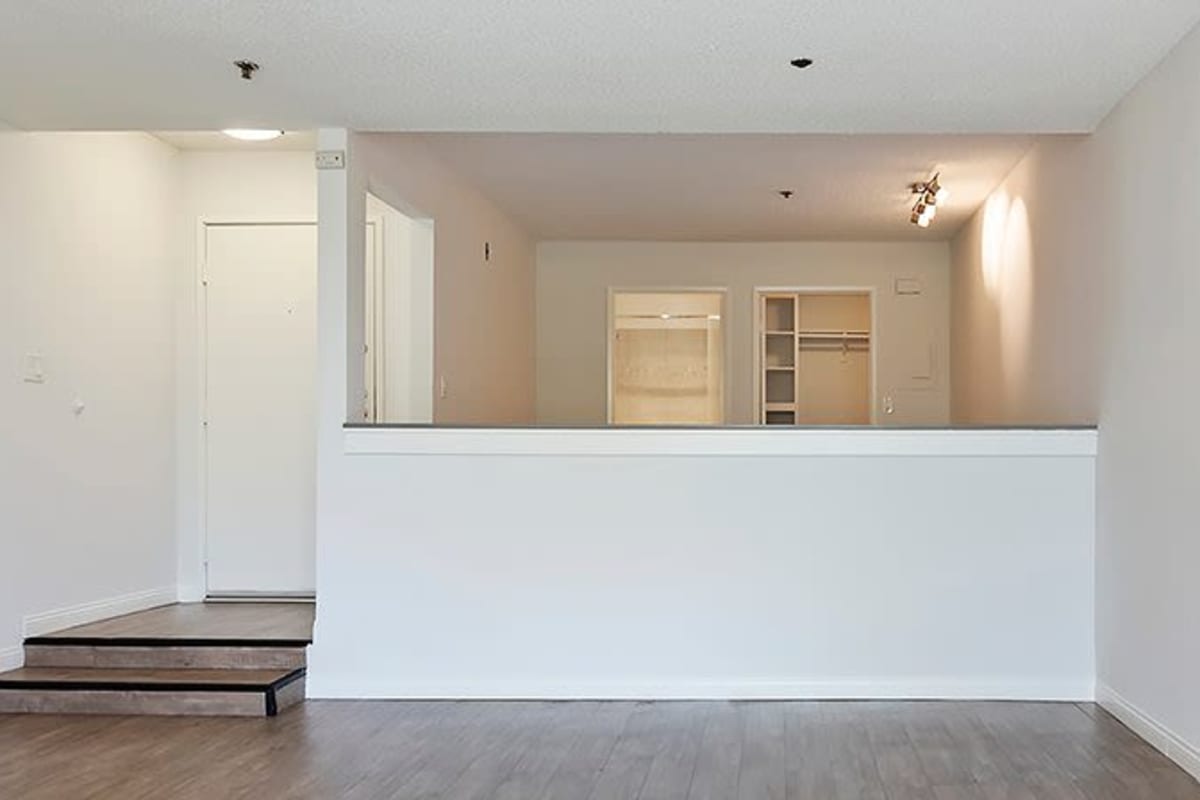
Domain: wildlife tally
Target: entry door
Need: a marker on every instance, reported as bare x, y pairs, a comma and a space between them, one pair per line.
260, 403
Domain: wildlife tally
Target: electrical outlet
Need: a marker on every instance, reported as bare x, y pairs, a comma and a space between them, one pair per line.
331, 159
443, 387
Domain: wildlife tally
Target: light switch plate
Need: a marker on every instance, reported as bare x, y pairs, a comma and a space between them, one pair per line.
35, 369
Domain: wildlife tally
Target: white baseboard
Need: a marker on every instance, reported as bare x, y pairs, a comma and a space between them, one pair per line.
321, 686
51, 621
1163, 739
11, 658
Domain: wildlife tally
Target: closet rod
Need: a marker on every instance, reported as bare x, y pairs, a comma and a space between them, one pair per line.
838, 331
713, 317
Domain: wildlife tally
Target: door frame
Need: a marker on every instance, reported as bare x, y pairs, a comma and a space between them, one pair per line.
871, 293
374, 278
203, 223
609, 332
374, 290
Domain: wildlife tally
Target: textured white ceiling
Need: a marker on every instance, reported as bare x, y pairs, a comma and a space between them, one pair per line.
581, 65
724, 187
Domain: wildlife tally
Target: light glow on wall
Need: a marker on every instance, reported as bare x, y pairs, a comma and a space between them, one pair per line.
1007, 266
995, 219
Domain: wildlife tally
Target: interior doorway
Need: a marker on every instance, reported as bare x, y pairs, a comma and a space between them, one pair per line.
816, 362
259, 406
399, 308
666, 358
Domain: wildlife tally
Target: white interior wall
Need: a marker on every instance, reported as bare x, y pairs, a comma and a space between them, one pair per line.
1075, 294
484, 312
715, 563
573, 280
219, 186
88, 245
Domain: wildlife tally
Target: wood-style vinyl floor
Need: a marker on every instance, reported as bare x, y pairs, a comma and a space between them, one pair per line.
557, 751
242, 621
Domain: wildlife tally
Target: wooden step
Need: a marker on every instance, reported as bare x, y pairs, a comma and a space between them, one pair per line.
160, 654
201, 692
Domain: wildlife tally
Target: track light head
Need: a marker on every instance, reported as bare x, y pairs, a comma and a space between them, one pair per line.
929, 194
935, 191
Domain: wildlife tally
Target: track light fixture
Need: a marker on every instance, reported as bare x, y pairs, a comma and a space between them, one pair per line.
929, 194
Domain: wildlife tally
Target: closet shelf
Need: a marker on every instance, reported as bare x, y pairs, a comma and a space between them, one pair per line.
836, 335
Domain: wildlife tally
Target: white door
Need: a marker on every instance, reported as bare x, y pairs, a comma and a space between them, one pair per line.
260, 403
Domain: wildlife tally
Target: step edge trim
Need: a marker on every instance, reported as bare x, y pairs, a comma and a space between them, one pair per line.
271, 699
74, 685
157, 641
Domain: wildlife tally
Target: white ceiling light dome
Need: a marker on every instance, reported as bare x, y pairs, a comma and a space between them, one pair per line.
252, 134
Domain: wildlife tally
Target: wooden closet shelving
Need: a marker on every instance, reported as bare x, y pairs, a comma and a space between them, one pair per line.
814, 372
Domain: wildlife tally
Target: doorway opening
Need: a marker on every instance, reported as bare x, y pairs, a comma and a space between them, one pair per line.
815, 357
666, 358
399, 316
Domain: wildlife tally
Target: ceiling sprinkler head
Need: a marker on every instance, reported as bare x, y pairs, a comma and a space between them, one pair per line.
247, 68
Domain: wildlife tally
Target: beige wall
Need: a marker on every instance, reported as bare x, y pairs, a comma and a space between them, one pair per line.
1026, 327
483, 315
573, 279
1075, 300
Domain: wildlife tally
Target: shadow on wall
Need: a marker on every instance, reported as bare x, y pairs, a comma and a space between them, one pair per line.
1007, 264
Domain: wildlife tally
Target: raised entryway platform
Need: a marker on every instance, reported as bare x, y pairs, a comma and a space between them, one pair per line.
206, 659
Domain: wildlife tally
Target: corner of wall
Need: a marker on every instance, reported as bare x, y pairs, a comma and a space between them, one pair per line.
484, 318
1153, 731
